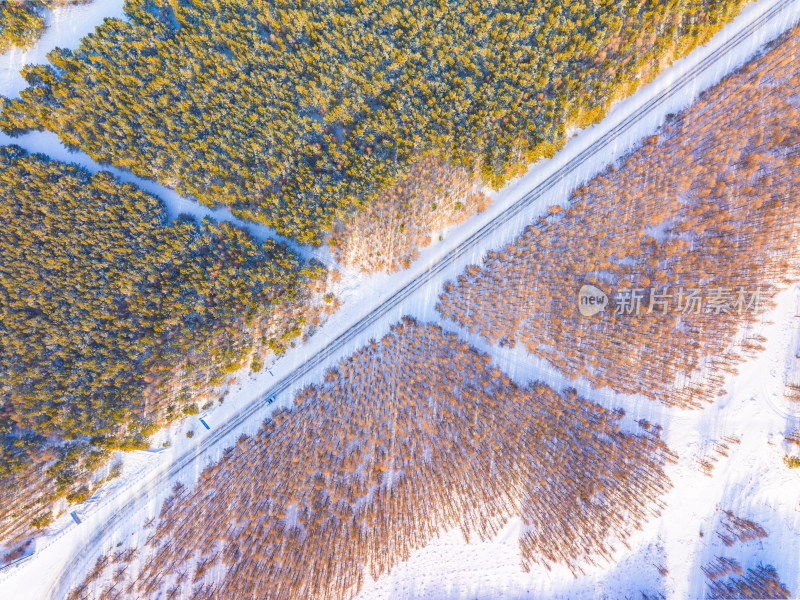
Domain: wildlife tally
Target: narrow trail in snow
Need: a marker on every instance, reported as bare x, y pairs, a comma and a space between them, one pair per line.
49, 144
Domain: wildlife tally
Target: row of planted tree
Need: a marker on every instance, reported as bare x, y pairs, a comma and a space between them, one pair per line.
690, 237
414, 434
726, 578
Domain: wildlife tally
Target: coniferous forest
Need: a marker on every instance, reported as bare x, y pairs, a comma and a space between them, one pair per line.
101, 298
20, 24
296, 115
22, 21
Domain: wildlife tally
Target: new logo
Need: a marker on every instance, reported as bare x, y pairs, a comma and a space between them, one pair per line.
591, 300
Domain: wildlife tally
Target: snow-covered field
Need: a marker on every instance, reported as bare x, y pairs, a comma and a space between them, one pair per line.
753, 482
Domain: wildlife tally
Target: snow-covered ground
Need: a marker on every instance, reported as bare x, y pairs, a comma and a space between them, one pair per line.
752, 482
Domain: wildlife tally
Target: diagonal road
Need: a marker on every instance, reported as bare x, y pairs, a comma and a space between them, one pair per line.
148, 485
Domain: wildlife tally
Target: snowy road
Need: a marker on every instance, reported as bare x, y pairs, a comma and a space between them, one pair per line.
63, 559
